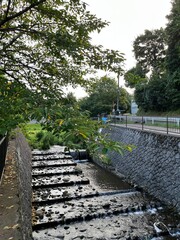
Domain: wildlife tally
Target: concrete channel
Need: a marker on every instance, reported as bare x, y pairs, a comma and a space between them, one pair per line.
67, 204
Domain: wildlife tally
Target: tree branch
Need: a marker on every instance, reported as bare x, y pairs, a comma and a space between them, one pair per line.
12, 41
33, 5
12, 76
8, 7
19, 30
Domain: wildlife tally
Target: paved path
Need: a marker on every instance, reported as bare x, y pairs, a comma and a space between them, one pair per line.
147, 128
9, 201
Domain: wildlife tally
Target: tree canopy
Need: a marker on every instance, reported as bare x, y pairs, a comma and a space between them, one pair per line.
46, 45
173, 38
149, 49
103, 97
156, 76
12, 104
134, 76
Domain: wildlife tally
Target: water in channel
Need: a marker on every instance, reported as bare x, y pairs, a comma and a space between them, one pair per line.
103, 179
89, 202
106, 181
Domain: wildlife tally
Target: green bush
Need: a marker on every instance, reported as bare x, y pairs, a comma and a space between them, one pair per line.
38, 138
39, 135
47, 140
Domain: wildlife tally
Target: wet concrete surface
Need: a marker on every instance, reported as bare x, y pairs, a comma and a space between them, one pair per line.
96, 207
88, 202
58, 162
110, 227
59, 180
63, 193
55, 170
103, 179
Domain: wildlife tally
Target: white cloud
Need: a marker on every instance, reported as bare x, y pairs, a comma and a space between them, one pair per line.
128, 19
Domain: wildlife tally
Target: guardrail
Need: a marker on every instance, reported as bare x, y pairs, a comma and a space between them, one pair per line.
168, 125
3, 150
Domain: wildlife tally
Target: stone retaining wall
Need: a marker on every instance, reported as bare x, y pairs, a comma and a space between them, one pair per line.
154, 164
25, 189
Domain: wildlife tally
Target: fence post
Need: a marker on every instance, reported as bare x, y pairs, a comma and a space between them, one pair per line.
126, 121
142, 123
167, 123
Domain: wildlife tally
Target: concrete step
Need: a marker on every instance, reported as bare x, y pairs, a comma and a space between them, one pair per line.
62, 194
53, 163
56, 180
54, 170
51, 157
79, 210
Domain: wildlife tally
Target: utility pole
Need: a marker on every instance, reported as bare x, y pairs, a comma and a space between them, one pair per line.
118, 95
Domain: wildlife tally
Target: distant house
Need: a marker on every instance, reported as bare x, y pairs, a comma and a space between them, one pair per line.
134, 107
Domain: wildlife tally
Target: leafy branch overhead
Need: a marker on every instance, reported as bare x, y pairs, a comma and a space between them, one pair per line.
77, 131
46, 44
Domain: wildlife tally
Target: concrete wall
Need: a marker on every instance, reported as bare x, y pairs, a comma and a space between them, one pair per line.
154, 164
25, 190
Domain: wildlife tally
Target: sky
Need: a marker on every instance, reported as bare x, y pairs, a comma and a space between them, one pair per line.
128, 19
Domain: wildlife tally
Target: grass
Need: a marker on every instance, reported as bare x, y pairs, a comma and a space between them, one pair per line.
39, 138
31, 130
159, 114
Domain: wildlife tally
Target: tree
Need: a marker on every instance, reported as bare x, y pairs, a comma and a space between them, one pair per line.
135, 76
14, 106
160, 91
173, 56
150, 53
46, 45
152, 96
69, 100
149, 49
103, 97
173, 90
173, 38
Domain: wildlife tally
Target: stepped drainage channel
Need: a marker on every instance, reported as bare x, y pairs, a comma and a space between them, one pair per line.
76, 199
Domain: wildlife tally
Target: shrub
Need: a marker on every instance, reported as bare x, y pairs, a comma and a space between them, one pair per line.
39, 135
48, 140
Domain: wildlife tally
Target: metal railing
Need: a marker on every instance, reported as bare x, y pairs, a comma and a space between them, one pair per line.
3, 150
168, 125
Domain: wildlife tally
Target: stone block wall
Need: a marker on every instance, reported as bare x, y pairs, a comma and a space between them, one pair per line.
154, 163
23, 152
